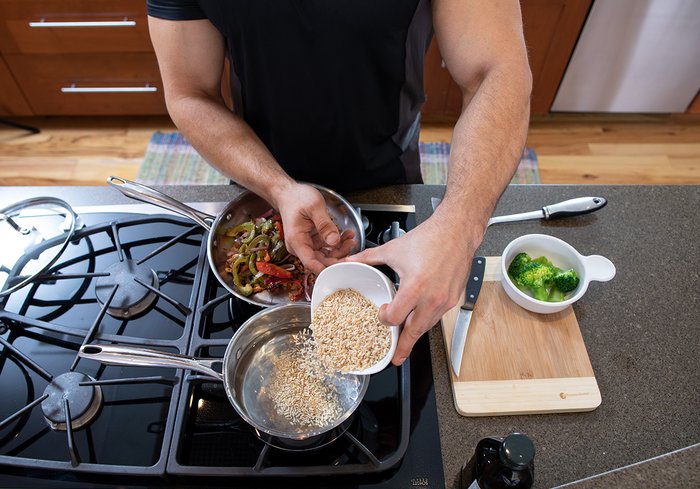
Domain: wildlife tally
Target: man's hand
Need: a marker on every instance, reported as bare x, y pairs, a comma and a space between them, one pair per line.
309, 232
432, 261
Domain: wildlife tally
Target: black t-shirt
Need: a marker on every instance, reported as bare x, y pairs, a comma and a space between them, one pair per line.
332, 87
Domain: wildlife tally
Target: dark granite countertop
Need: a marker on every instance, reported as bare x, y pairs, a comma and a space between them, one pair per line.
641, 331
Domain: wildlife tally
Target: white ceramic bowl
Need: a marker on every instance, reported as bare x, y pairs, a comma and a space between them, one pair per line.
564, 256
366, 280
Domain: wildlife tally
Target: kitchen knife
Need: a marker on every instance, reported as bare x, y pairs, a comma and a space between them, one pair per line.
567, 208
459, 335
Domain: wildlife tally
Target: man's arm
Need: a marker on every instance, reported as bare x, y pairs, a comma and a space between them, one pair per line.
191, 58
483, 47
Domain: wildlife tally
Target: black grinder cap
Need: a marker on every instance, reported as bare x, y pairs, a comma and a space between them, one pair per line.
517, 451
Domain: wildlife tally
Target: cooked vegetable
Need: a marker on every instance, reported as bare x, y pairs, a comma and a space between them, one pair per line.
520, 260
536, 278
541, 278
257, 259
566, 280
273, 270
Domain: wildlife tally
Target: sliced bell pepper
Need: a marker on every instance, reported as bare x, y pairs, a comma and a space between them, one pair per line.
246, 228
280, 230
273, 270
259, 241
245, 289
265, 226
251, 264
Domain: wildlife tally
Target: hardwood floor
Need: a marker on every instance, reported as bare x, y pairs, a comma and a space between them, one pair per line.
598, 149
610, 149
75, 151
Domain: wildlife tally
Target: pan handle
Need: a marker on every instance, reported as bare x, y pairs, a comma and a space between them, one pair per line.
149, 195
131, 356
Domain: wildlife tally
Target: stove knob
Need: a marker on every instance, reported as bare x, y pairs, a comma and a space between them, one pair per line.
392, 232
365, 221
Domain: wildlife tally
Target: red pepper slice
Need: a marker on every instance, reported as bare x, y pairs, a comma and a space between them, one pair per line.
272, 270
278, 225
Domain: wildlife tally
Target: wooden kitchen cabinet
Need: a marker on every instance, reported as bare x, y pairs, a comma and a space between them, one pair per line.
551, 29
95, 84
81, 57
93, 26
12, 101
41, 61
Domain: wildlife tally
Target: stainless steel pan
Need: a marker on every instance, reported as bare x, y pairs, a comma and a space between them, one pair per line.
245, 370
239, 210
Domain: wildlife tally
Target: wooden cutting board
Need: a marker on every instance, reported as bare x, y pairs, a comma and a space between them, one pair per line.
519, 362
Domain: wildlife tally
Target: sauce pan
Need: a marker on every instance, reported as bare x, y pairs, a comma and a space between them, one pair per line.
245, 370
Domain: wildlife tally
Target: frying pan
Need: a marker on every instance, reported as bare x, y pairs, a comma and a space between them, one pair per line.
245, 372
240, 210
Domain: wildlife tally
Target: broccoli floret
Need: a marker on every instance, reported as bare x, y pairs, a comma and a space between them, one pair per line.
566, 281
555, 295
545, 261
536, 278
516, 266
541, 278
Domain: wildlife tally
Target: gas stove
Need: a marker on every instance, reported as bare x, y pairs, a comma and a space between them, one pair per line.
132, 275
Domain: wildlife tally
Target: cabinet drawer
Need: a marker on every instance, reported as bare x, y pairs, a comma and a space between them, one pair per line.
90, 84
12, 101
73, 26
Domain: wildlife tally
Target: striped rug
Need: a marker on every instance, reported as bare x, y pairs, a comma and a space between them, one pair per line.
170, 160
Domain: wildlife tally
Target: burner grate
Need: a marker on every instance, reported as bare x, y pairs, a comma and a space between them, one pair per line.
110, 419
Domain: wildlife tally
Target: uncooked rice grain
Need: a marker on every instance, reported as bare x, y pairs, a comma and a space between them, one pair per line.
347, 330
298, 385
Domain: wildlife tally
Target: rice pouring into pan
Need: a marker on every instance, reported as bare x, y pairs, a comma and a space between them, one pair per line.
261, 346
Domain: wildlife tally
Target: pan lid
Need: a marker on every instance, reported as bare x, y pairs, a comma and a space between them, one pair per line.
34, 233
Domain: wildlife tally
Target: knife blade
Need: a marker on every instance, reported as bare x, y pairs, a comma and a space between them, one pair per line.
464, 317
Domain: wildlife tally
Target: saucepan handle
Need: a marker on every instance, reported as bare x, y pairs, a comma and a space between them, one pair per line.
150, 195
143, 357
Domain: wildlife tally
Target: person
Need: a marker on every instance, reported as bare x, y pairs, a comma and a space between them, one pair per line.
330, 92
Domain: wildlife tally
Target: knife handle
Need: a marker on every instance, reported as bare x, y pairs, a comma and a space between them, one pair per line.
574, 207
476, 277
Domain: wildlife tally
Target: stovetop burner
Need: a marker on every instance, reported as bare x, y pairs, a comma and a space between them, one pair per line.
127, 287
144, 280
68, 397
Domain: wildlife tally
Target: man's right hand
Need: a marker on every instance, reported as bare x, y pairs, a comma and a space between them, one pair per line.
309, 231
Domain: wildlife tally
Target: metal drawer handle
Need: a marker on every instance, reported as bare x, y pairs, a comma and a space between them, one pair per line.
75, 89
90, 23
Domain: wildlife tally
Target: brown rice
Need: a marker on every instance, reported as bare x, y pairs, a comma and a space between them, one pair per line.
347, 330
298, 387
